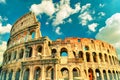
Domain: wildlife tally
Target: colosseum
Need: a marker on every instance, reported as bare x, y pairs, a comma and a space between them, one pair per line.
29, 56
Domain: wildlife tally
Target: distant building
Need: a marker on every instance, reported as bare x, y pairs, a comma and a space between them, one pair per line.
29, 56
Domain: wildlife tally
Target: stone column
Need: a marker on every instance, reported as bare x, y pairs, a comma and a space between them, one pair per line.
91, 57
94, 75
33, 51
70, 75
31, 74
13, 76
98, 59
101, 72
43, 72
55, 72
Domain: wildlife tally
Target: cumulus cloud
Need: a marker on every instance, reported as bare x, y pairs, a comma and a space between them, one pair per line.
101, 14
46, 6
58, 31
2, 49
92, 26
85, 7
101, 5
5, 29
85, 17
2, 1
111, 32
65, 10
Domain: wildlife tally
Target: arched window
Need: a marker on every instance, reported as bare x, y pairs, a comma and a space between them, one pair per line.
17, 76
54, 51
5, 75
98, 74
86, 48
14, 55
94, 56
110, 74
80, 54
39, 49
65, 73
88, 56
37, 73
33, 35
114, 74
105, 75
9, 57
29, 52
101, 57
10, 75
63, 52
75, 73
21, 54
26, 74
50, 73
90, 71
106, 59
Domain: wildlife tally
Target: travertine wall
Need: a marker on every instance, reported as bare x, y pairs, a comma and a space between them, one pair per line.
33, 57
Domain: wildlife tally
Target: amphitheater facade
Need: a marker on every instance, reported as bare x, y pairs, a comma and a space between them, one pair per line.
29, 56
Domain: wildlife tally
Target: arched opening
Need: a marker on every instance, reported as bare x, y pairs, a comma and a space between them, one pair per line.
33, 35
29, 52
98, 74
86, 48
26, 74
14, 55
80, 55
74, 54
105, 75
117, 75
90, 72
10, 75
94, 56
37, 73
88, 56
65, 73
75, 73
114, 74
110, 60
21, 54
63, 52
101, 57
106, 59
9, 57
50, 73
39, 50
5, 75
110, 74
54, 51
17, 76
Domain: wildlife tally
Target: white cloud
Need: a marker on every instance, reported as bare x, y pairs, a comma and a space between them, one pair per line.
111, 32
70, 20
58, 31
5, 29
85, 7
92, 26
2, 49
46, 6
101, 5
65, 11
2, 1
101, 14
85, 17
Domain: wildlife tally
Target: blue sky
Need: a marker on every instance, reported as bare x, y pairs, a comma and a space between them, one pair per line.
98, 19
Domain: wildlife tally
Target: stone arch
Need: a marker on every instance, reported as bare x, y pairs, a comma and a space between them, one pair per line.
114, 75
87, 56
39, 50
10, 75
76, 72
94, 56
50, 73
37, 73
75, 56
98, 74
106, 58
21, 53
86, 47
90, 72
26, 74
53, 53
117, 75
29, 52
65, 73
17, 75
64, 52
110, 74
80, 55
14, 55
101, 57
4, 75
105, 75
32, 34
